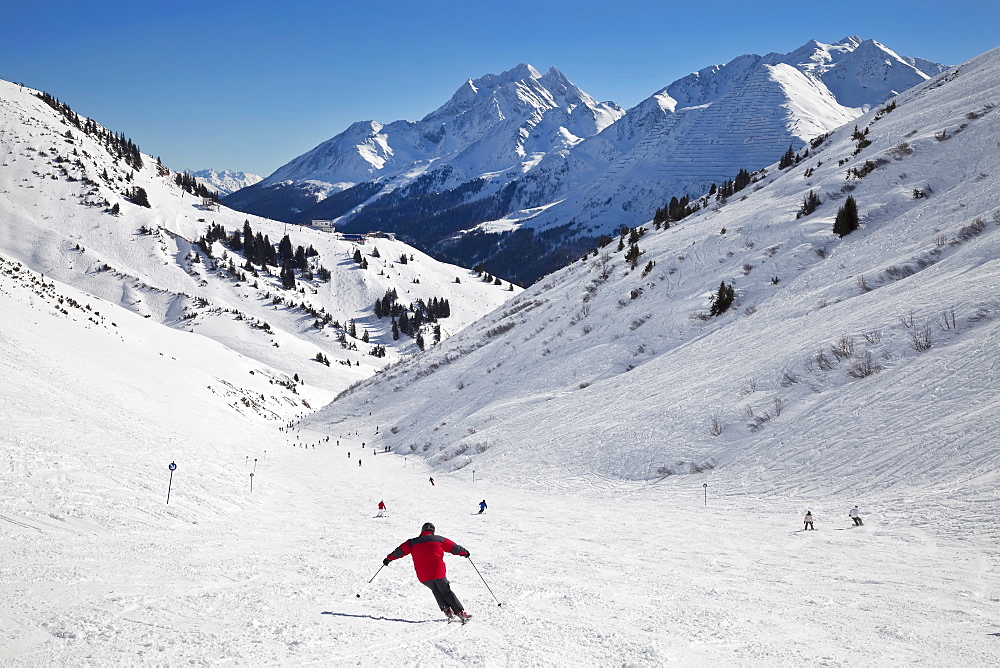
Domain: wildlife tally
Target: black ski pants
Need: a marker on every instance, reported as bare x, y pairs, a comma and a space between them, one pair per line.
443, 594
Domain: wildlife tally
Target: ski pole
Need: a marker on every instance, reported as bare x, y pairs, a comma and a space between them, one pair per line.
484, 582
373, 577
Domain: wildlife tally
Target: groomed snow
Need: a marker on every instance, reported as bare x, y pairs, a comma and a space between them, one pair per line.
98, 569
620, 530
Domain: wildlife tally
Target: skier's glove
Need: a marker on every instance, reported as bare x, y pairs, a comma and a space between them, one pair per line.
466, 555
385, 562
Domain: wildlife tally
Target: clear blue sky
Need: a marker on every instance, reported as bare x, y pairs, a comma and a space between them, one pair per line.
250, 84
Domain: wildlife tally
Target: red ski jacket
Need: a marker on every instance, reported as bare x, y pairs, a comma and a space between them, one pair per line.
428, 554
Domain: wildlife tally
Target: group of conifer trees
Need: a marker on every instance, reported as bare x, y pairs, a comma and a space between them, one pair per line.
189, 183
258, 250
408, 320
120, 146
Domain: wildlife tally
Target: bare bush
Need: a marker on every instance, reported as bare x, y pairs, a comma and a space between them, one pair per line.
843, 348
665, 471
788, 378
584, 385
863, 284
948, 320
715, 425
901, 150
973, 229
748, 409
777, 406
751, 385
482, 447
863, 366
759, 421
907, 320
899, 272
920, 338
873, 336
500, 329
822, 361
394, 430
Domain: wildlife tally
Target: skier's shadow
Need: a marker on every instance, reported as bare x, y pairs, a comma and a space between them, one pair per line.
381, 619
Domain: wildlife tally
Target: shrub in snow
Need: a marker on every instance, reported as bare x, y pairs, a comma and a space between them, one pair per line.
847, 218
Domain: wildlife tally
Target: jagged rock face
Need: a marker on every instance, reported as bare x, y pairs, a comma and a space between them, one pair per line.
535, 149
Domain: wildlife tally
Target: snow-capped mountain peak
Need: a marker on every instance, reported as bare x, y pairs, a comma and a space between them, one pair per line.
225, 182
491, 124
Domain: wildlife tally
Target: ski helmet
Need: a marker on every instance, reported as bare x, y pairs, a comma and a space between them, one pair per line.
427, 527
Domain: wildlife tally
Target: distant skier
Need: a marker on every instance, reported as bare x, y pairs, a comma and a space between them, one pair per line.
359, 462
428, 561
809, 521
432, 481
482, 506
855, 515
381, 509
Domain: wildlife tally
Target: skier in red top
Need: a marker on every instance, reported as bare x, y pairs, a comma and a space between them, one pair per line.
428, 561
381, 509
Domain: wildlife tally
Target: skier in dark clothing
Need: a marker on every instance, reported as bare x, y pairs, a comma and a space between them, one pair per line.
428, 561
482, 506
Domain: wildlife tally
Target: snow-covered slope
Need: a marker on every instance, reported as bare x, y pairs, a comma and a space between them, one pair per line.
705, 127
580, 174
496, 123
264, 553
227, 181
602, 368
646, 466
62, 180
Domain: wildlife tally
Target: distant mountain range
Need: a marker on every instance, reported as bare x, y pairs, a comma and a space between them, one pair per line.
227, 181
522, 172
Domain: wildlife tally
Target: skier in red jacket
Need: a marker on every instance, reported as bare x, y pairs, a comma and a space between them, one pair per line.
428, 561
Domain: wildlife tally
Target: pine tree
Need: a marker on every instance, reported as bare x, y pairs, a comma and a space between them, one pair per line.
287, 276
722, 299
809, 204
847, 218
788, 159
632, 256
285, 249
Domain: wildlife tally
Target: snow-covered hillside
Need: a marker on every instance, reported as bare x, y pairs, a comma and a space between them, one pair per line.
68, 209
646, 465
844, 365
705, 127
498, 123
227, 181
574, 170
274, 569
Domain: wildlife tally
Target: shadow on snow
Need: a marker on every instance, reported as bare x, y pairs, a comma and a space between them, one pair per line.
384, 619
